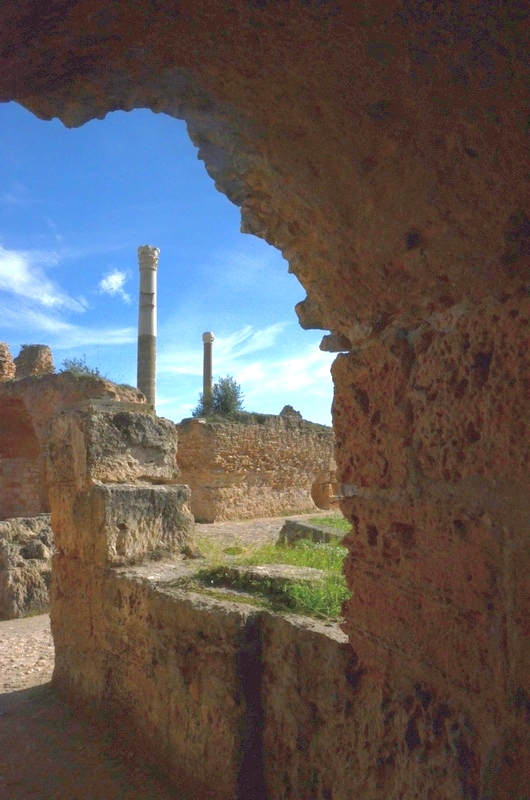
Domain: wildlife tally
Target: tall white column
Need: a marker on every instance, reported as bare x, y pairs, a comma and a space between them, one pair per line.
146, 375
207, 339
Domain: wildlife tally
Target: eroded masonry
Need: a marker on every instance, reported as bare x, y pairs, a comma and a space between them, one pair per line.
380, 147
30, 394
256, 465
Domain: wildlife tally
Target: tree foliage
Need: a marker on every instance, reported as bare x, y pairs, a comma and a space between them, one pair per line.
226, 398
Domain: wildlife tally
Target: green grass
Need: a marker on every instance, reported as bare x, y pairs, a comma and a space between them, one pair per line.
333, 521
321, 599
301, 554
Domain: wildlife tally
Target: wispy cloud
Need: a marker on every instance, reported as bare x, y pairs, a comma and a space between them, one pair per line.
22, 275
112, 283
32, 304
59, 333
229, 351
15, 195
54, 229
261, 361
247, 341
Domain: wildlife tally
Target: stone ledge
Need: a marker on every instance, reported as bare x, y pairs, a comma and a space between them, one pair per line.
293, 530
280, 574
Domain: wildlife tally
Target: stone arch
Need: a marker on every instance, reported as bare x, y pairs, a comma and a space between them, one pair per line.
380, 149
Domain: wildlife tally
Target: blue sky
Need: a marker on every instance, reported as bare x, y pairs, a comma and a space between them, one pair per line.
74, 207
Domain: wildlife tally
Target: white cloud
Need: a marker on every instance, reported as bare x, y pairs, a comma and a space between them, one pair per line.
22, 276
33, 305
271, 374
227, 350
112, 283
59, 333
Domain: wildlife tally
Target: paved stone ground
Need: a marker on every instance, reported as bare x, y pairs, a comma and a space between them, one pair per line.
48, 754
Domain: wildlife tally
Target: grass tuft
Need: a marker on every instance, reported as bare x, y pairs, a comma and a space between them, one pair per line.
321, 599
334, 521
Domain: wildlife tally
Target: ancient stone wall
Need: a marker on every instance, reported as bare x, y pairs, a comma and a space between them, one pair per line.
21, 484
438, 550
34, 360
112, 486
26, 407
254, 466
7, 365
380, 147
229, 700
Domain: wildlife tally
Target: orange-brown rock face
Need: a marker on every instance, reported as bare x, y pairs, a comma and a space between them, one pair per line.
34, 359
380, 147
252, 465
7, 365
26, 407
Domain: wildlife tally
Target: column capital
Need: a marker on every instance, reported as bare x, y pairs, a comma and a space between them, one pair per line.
208, 337
148, 256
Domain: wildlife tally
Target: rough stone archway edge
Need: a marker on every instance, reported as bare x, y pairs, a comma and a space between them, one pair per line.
380, 146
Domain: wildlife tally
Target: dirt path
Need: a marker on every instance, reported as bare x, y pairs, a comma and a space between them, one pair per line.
48, 754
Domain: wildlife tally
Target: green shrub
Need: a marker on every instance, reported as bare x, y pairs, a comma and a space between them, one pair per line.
78, 368
226, 399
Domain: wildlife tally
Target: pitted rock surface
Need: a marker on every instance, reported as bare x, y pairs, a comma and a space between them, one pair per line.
26, 548
380, 148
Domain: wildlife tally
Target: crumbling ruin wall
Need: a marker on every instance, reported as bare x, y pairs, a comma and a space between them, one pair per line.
229, 700
258, 465
26, 407
379, 146
34, 360
7, 365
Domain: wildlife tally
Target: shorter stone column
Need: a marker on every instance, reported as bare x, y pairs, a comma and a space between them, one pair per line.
207, 339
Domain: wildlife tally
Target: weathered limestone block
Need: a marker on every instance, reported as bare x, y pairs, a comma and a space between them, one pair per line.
169, 666
7, 365
325, 491
94, 451
34, 360
258, 465
468, 393
26, 547
334, 729
438, 559
78, 622
116, 524
111, 443
97, 525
